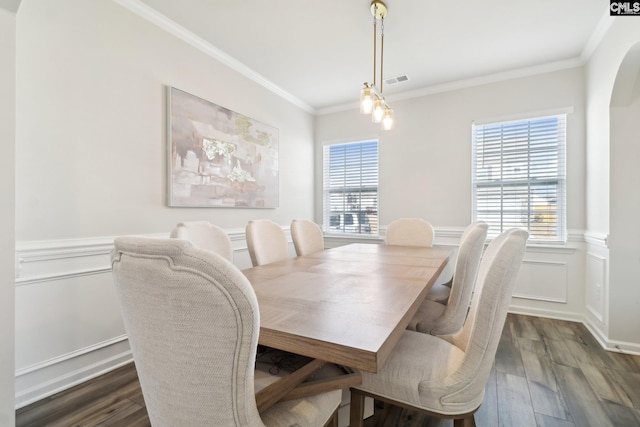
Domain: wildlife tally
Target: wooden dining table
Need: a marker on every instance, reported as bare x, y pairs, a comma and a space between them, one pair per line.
347, 305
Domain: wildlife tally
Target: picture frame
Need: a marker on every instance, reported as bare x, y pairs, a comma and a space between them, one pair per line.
218, 157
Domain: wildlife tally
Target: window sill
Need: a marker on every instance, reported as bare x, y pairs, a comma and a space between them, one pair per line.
346, 236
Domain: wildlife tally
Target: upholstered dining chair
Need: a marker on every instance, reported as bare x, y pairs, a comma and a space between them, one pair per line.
410, 232
437, 319
192, 320
446, 376
416, 232
307, 236
205, 235
267, 242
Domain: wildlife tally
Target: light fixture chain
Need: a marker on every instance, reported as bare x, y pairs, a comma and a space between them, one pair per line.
372, 99
381, 53
375, 48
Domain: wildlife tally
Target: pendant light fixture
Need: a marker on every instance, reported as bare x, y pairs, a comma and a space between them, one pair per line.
371, 99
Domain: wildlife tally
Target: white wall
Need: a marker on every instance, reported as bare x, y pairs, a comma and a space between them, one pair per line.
90, 165
425, 161
425, 171
7, 209
612, 179
91, 123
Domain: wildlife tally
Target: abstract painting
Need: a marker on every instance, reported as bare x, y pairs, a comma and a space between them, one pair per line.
219, 158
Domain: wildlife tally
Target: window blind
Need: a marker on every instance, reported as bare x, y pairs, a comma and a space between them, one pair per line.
350, 188
518, 176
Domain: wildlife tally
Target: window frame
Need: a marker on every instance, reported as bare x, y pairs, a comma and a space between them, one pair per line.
545, 171
356, 221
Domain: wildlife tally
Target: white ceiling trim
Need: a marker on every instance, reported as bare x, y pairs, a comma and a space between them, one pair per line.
160, 20
598, 34
467, 83
151, 15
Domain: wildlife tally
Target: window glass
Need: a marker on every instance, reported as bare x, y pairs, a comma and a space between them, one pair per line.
519, 177
350, 189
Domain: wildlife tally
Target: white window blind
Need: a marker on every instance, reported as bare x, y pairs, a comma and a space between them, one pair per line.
350, 188
519, 176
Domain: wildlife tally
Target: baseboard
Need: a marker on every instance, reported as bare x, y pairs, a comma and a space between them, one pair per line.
551, 314
606, 343
615, 346
47, 378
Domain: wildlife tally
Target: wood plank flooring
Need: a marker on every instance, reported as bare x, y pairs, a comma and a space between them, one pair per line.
547, 373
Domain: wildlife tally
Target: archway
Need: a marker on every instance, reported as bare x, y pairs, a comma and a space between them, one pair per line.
624, 274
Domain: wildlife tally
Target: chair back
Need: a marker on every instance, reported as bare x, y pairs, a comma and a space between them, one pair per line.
410, 232
482, 330
307, 237
266, 241
464, 279
192, 320
205, 235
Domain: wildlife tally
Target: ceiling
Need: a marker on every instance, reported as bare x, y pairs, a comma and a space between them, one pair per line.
320, 53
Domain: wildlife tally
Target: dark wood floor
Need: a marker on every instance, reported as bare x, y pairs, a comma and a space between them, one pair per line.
547, 373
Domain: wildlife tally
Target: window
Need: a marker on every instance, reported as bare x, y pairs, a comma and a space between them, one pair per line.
518, 177
350, 188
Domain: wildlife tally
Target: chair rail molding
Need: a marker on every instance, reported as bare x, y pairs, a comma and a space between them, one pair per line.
597, 239
42, 261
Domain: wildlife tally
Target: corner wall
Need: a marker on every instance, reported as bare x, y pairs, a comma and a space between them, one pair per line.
7, 215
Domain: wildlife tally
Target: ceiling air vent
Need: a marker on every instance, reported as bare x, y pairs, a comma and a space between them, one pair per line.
396, 79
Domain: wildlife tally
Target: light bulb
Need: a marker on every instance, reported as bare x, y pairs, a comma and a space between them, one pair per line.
366, 101
387, 121
378, 111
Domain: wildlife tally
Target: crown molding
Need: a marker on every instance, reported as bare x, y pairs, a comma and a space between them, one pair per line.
467, 83
598, 34
173, 28
153, 16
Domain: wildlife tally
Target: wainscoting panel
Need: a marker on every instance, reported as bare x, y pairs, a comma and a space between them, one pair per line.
69, 328
542, 280
595, 282
596, 292
68, 323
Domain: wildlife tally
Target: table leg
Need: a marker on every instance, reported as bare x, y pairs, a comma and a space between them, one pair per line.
356, 414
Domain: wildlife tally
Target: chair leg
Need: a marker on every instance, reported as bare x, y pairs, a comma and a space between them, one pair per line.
356, 413
467, 421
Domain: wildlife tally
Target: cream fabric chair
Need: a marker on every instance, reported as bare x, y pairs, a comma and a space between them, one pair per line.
437, 319
307, 237
410, 232
446, 376
192, 320
416, 232
205, 235
267, 242
440, 293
